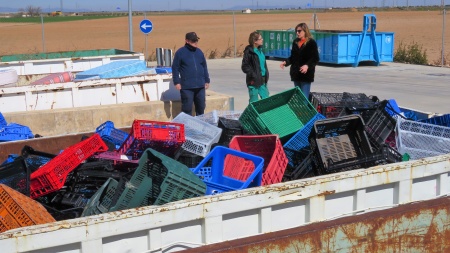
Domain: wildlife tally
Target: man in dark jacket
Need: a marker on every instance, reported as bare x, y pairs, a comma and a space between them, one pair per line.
190, 75
255, 67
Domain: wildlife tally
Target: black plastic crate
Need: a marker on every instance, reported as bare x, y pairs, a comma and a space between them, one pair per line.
384, 155
333, 105
380, 126
304, 167
35, 158
230, 128
338, 139
16, 175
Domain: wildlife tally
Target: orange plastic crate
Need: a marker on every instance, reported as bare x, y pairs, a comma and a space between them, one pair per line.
52, 176
268, 147
164, 137
18, 210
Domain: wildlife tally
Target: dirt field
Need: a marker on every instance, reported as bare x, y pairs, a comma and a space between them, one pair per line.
215, 31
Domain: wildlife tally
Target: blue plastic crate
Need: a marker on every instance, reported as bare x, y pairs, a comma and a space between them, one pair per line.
300, 139
203, 173
10, 159
13, 132
392, 108
3, 122
443, 120
219, 157
111, 134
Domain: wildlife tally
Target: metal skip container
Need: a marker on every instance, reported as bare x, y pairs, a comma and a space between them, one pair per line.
336, 46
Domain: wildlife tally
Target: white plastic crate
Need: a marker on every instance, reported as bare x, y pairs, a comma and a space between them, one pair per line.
199, 135
213, 116
421, 140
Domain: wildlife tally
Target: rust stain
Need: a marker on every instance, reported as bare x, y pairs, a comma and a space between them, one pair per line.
141, 85
416, 227
147, 97
326, 193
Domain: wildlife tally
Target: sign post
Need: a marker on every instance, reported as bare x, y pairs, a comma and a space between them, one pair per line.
146, 27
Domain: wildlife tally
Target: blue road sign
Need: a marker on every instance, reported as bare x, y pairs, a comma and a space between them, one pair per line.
146, 26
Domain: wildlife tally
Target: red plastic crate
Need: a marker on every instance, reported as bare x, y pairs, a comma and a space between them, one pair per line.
164, 137
268, 147
52, 176
18, 210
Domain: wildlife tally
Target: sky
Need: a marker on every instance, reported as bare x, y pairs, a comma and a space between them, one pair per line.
164, 5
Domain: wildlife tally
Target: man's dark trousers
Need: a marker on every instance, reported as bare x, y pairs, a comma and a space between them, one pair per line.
195, 96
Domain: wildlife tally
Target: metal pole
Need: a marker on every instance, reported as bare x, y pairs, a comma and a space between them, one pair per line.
146, 36
443, 33
43, 34
314, 20
234, 32
130, 26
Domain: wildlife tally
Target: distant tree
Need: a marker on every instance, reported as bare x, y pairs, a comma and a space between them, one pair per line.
33, 10
20, 13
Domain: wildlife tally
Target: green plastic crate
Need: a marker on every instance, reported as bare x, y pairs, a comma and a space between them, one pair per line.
101, 201
158, 180
284, 114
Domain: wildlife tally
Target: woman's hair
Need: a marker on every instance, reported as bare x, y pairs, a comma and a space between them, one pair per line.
305, 28
254, 36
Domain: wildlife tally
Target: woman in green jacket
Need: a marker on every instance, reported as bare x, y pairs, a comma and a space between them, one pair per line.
255, 67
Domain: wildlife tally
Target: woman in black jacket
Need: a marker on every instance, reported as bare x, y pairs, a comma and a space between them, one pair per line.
303, 60
255, 67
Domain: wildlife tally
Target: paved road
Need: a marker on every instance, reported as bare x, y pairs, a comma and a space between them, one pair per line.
423, 88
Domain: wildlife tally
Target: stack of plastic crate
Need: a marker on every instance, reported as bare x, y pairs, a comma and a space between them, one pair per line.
300, 140
336, 140
217, 181
18, 210
213, 116
284, 114
333, 105
159, 179
13, 132
421, 140
111, 134
165, 137
266, 146
200, 136
52, 176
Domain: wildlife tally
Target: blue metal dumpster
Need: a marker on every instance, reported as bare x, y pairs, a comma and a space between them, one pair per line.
335, 46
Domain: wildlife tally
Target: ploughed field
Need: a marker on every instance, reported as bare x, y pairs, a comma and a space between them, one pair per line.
215, 31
